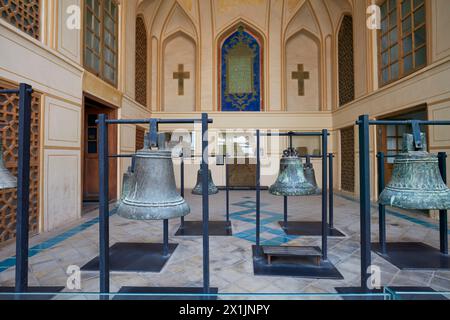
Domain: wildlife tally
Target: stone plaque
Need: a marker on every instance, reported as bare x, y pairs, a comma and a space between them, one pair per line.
240, 74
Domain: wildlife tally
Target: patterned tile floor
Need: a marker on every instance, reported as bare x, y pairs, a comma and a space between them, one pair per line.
230, 257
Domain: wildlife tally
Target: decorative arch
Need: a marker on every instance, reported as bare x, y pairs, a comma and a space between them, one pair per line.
241, 69
179, 52
303, 72
346, 75
141, 62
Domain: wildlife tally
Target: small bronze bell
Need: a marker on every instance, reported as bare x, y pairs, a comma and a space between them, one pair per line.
291, 179
310, 174
7, 180
198, 189
152, 191
416, 180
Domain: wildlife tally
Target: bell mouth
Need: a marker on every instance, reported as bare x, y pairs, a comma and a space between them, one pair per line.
211, 191
7, 180
6, 186
153, 211
303, 190
415, 199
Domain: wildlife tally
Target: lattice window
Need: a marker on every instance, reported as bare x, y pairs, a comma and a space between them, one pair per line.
402, 39
348, 159
141, 62
101, 39
346, 68
140, 135
9, 114
23, 14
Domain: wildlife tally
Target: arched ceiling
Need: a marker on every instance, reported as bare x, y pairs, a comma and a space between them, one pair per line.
325, 13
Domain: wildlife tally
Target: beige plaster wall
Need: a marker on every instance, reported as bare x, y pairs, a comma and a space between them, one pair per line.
180, 49
303, 48
275, 21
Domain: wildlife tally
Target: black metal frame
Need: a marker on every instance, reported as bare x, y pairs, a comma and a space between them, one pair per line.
217, 228
405, 255
23, 200
324, 135
103, 123
156, 254
364, 175
326, 269
313, 228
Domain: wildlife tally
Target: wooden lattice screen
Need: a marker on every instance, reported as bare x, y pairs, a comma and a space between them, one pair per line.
23, 14
346, 68
141, 62
9, 114
348, 159
140, 134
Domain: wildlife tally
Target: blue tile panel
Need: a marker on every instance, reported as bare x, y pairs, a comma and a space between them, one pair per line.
270, 232
245, 101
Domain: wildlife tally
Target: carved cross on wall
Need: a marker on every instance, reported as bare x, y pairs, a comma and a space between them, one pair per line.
180, 76
300, 76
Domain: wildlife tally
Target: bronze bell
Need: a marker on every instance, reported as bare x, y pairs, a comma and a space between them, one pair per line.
198, 189
7, 180
310, 174
291, 179
416, 180
126, 183
152, 191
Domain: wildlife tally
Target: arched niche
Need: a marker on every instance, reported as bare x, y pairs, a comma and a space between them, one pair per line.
179, 73
346, 70
241, 69
303, 72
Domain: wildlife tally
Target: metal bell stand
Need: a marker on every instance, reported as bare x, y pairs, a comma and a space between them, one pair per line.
194, 228
404, 255
262, 264
23, 203
137, 257
412, 255
206, 292
312, 228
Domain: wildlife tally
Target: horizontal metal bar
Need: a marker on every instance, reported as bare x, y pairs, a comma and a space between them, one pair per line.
159, 121
389, 156
9, 91
14, 91
122, 156
293, 134
314, 156
408, 122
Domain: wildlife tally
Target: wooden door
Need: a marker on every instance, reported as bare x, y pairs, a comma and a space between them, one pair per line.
242, 175
90, 165
391, 139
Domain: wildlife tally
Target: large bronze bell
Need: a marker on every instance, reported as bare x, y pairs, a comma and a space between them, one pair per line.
126, 183
291, 179
310, 174
198, 189
152, 191
416, 180
7, 180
